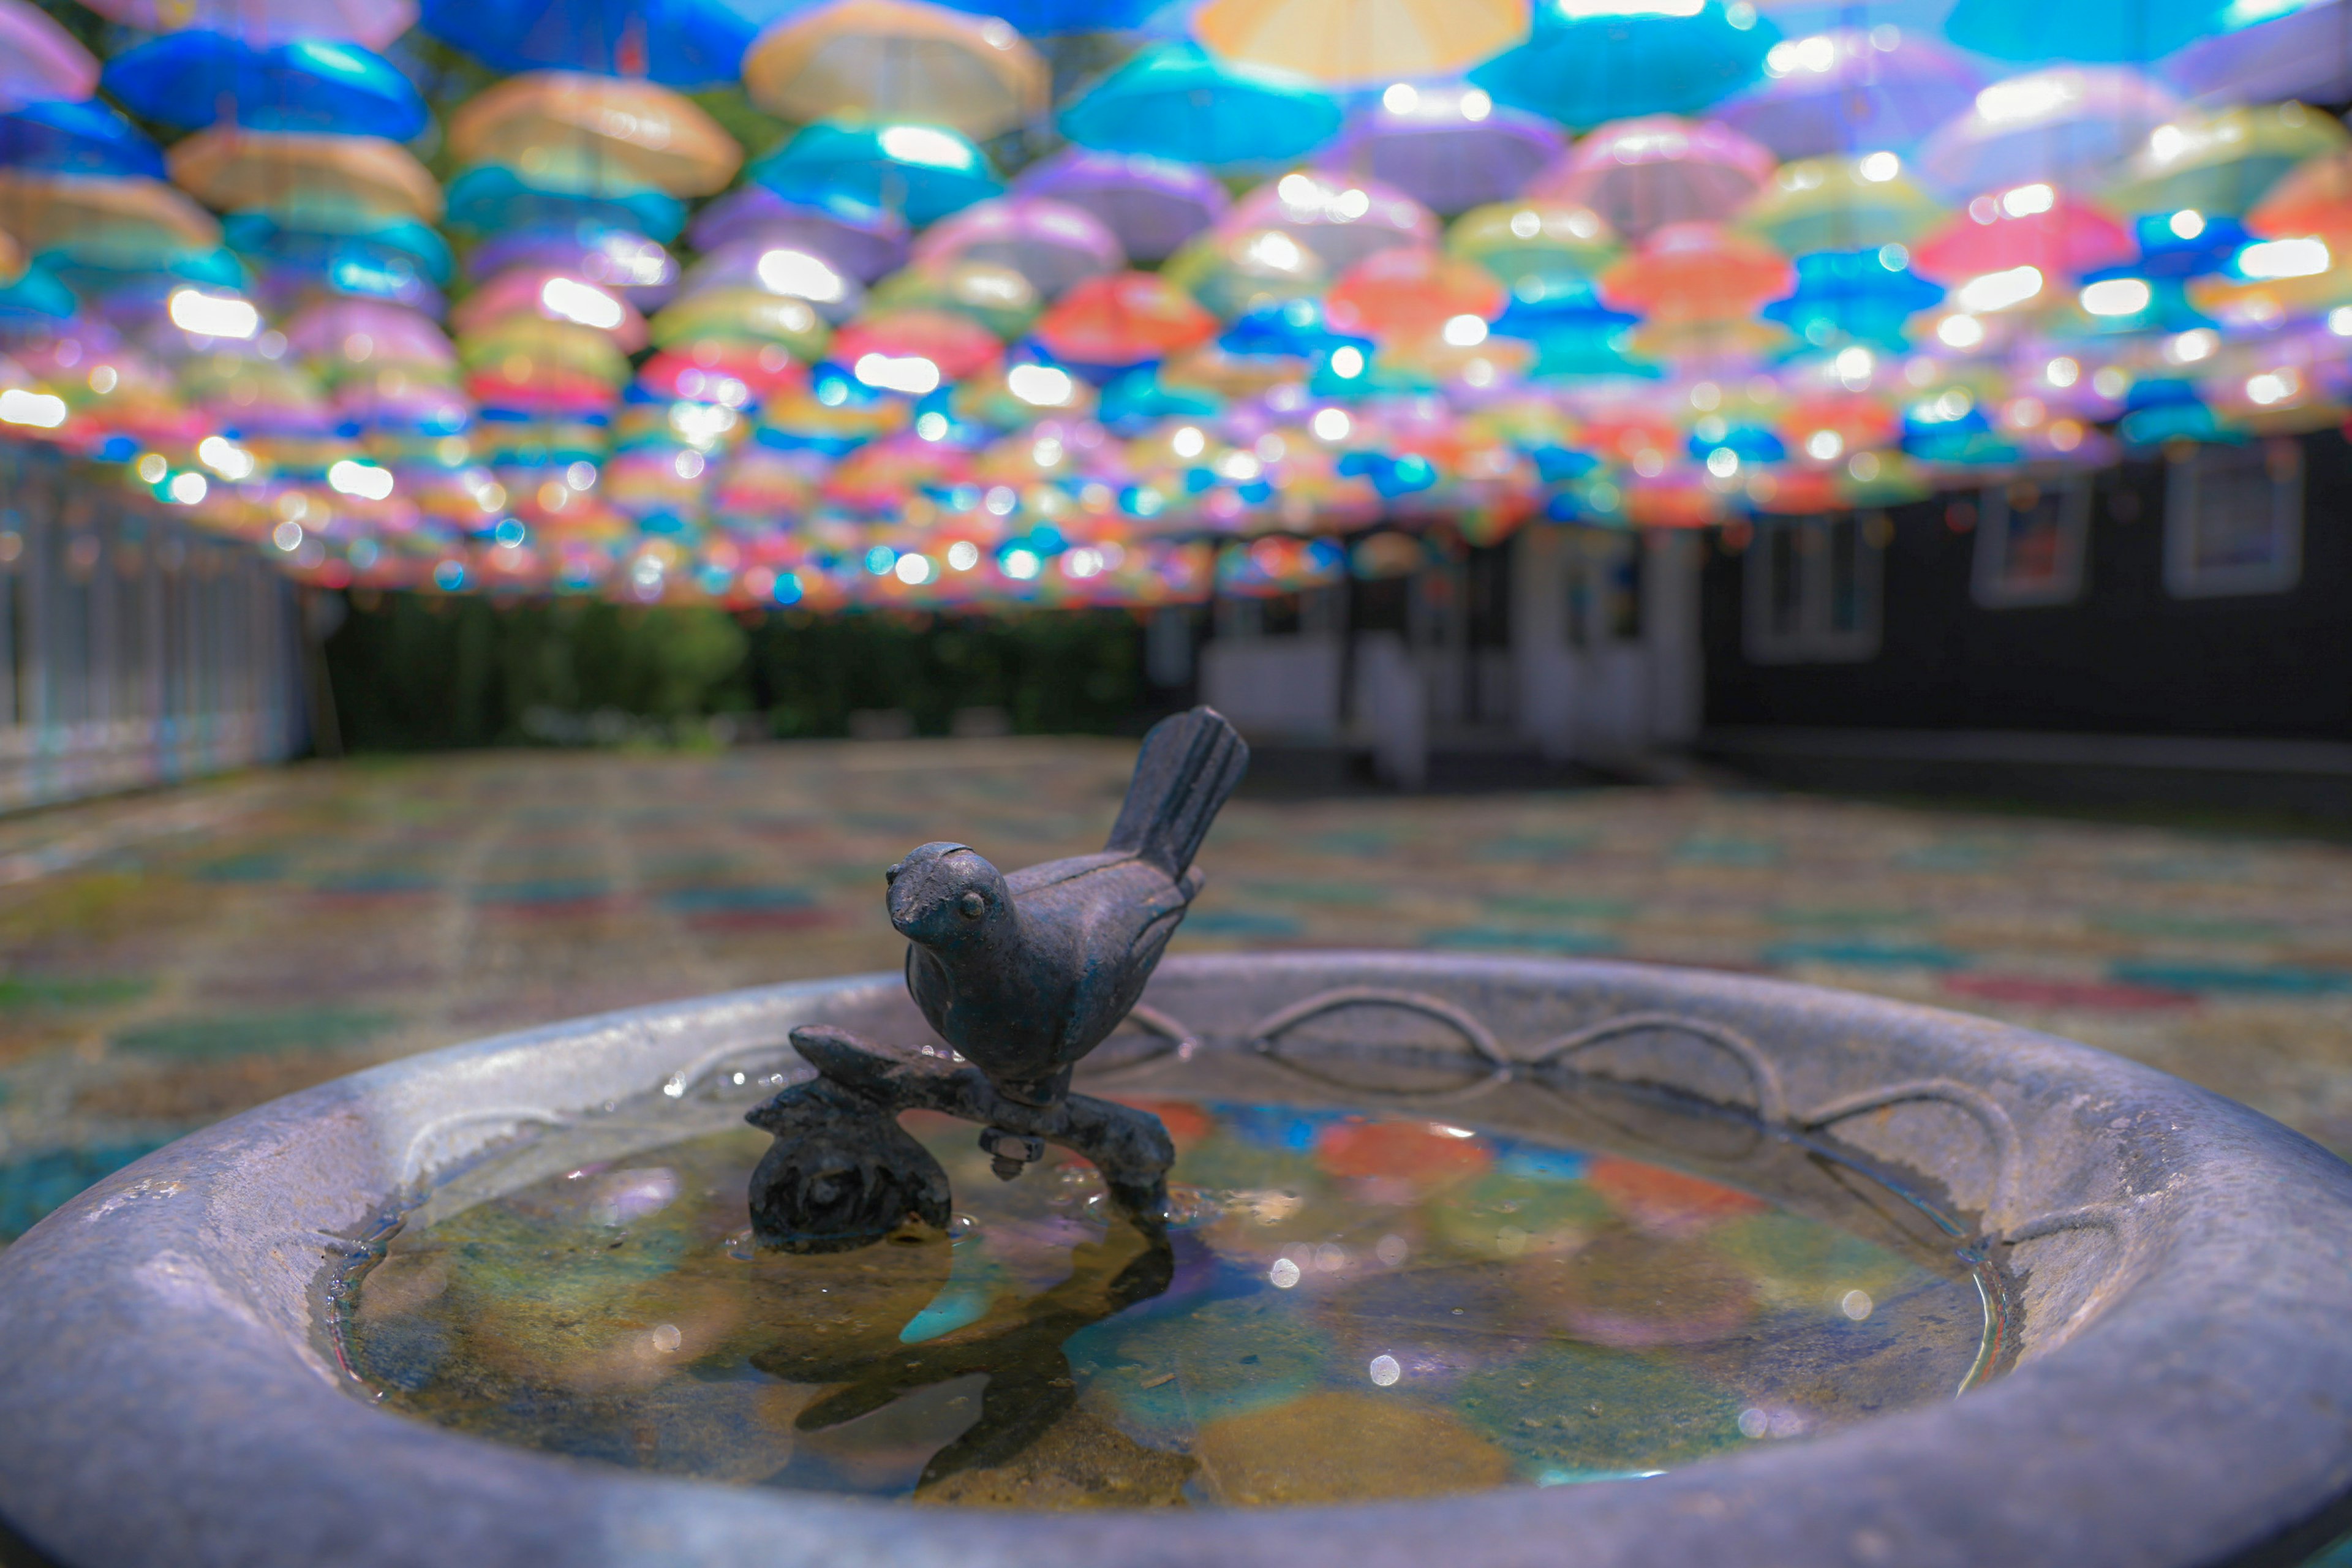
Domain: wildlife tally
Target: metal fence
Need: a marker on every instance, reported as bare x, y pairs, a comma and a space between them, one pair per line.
134, 650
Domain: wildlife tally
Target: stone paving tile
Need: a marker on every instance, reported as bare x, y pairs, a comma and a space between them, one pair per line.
170, 959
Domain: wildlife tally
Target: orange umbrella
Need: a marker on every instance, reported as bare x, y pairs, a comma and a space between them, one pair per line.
1122, 318
1350, 43
957, 345
897, 59
1697, 272
1412, 293
2315, 198
11, 260
634, 126
226, 166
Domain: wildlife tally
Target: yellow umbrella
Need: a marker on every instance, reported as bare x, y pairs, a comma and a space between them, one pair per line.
1350, 43
230, 168
659, 136
743, 315
897, 59
101, 214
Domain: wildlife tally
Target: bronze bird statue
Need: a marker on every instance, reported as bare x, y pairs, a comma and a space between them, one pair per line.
1024, 974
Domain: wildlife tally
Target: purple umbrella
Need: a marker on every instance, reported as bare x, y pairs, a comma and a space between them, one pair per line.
864, 241
1448, 148
390, 333
632, 266
1852, 92
1151, 205
39, 61
2305, 53
1054, 244
772, 266
1341, 219
2065, 125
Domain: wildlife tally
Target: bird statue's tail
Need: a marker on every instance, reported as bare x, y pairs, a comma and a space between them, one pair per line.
1188, 767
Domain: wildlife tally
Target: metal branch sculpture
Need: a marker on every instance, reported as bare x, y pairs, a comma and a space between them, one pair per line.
1022, 976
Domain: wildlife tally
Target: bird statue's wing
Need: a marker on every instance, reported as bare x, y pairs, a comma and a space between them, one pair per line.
1123, 950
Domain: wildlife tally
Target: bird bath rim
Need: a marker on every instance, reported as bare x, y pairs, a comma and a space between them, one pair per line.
2182, 1392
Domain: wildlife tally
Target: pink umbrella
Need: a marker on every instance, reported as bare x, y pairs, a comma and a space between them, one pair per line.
1340, 217
39, 61
774, 267
1641, 174
1053, 243
369, 22
392, 333
553, 295
2065, 126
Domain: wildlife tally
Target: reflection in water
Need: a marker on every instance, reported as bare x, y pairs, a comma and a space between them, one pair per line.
1342, 1308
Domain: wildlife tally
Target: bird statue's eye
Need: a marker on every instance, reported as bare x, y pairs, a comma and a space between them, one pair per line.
971, 906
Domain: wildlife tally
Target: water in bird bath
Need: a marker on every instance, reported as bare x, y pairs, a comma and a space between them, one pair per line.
1350, 1306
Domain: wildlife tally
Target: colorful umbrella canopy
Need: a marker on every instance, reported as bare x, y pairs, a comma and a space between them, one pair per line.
1587, 64
1449, 148
897, 59
920, 172
1176, 100
996, 297
40, 62
1236, 271
1151, 205
186, 78
1852, 91
1641, 174
644, 130
743, 315
1341, 219
683, 43
2064, 125
1052, 244
2092, 30
371, 24
863, 239
1349, 43
2223, 161
76, 139
1122, 320
284, 172
1841, 204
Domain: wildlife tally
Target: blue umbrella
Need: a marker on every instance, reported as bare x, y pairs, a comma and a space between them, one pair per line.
76, 139
260, 236
684, 43
1178, 100
491, 197
36, 299
922, 172
1853, 296
2121, 31
182, 78
1586, 67
1139, 399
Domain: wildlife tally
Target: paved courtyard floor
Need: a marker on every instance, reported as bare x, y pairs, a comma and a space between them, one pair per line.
168, 960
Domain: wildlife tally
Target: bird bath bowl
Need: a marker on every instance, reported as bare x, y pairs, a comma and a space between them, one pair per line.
1725, 1252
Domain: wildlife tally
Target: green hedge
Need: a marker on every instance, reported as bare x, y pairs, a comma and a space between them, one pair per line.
413, 672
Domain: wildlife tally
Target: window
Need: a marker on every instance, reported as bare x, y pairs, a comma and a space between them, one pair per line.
2030, 543
1604, 587
2233, 520
1812, 586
